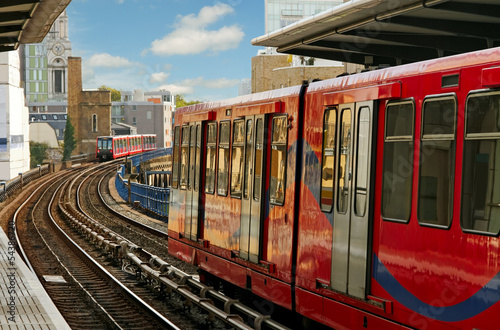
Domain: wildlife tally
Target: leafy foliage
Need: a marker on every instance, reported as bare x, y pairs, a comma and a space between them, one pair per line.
181, 102
116, 95
38, 152
69, 140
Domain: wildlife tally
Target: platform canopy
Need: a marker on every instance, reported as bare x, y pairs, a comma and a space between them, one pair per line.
27, 21
392, 32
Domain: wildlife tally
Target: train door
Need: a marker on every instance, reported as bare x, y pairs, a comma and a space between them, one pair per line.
252, 194
193, 181
350, 257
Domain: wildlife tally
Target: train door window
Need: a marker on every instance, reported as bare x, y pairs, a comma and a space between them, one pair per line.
184, 170
277, 184
110, 144
210, 162
398, 161
197, 144
99, 144
328, 166
363, 161
248, 157
259, 149
481, 173
223, 169
192, 159
237, 157
437, 159
345, 159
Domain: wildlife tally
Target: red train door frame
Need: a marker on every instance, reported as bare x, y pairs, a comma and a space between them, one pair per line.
252, 195
350, 257
191, 223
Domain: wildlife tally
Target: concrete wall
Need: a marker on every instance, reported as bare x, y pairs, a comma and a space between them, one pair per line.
43, 133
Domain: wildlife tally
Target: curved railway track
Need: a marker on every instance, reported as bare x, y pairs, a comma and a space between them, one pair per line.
78, 208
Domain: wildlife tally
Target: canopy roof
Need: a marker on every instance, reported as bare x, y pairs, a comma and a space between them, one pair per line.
393, 32
27, 21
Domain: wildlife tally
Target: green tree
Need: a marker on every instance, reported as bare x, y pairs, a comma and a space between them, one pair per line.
38, 152
116, 95
69, 140
181, 102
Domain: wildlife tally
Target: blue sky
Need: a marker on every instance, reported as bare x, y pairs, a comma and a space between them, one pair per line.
200, 49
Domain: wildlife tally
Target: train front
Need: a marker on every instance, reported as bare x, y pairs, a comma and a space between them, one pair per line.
104, 148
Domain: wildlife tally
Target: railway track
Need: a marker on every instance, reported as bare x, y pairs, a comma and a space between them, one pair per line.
78, 209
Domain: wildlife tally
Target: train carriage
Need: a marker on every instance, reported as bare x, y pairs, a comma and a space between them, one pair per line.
364, 201
113, 147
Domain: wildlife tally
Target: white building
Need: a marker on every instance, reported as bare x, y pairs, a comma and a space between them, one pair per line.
14, 122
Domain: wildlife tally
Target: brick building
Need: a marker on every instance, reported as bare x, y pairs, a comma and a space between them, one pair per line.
88, 111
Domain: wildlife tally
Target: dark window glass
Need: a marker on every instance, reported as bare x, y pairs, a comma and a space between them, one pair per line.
237, 157
223, 169
248, 157
437, 153
99, 144
328, 166
398, 161
58, 81
277, 184
211, 155
481, 178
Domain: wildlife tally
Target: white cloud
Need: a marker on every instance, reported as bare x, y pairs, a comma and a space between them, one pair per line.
191, 35
177, 89
108, 61
221, 83
158, 77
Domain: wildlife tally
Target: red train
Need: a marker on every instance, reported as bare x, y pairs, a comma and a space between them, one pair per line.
112, 147
365, 201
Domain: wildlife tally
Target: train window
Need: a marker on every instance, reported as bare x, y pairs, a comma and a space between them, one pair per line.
192, 177
437, 155
223, 169
110, 144
259, 149
328, 169
363, 161
99, 144
210, 162
237, 157
344, 161
248, 157
175, 158
398, 161
481, 178
184, 170
277, 184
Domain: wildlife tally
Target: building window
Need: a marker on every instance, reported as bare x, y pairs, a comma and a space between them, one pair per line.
134, 107
437, 165
398, 161
211, 155
134, 121
277, 184
58, 81
148, 115
223, 169
481, 178
94, 123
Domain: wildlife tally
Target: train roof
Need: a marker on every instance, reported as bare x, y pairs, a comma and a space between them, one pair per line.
376, 32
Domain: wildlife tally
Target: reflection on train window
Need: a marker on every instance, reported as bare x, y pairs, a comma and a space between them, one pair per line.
363, 161
398, 161
328, 169
437, 165
223, 170
237, 157
211, 152
277, 184
481, 178
184, 170
248, 157
259, 147
345, 159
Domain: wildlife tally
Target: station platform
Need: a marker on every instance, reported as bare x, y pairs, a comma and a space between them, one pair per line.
24, 304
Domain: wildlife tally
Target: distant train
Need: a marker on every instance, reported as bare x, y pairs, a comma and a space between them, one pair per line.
113, 147
364, 201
